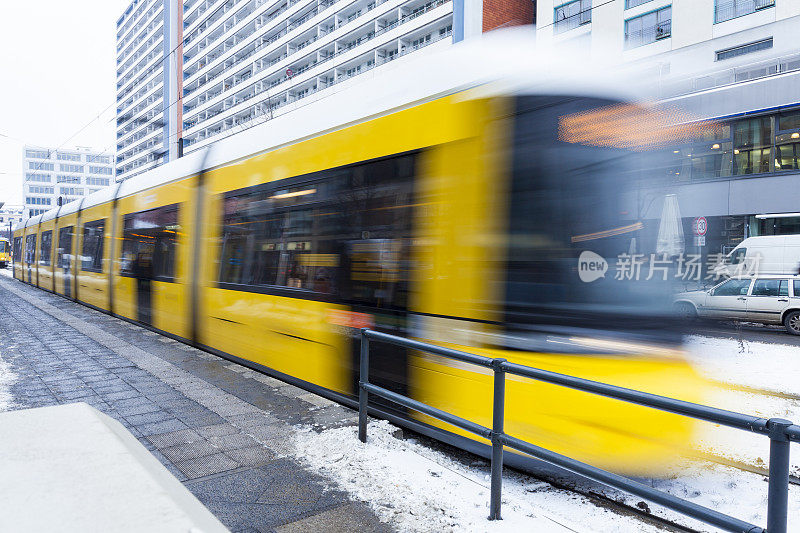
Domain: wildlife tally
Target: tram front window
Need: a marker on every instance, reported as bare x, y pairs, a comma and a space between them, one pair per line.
571, 195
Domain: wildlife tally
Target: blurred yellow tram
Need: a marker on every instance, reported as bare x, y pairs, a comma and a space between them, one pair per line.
448, 204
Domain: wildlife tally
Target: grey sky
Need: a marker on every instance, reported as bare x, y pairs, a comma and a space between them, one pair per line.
57, 74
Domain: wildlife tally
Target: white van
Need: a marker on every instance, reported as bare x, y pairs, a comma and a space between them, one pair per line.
769, 254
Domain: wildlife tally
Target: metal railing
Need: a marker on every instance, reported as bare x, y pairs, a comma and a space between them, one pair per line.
779, 431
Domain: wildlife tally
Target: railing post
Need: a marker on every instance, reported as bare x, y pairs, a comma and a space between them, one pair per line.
363, 395
498, 415
778, 495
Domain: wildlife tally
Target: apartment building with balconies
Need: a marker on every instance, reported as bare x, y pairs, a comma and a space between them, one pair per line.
191, 72
255, 59
147, 84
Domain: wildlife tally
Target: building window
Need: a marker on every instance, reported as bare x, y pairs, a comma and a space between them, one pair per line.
40, 166
731, 9
571, 15
633, 3
752, 140
737, 148
35, 200
38, 189
787, 142
97, 181
648, 28
737, 51
68, 157
69, 168
37, 154
70, 191
44, 178
100, 170
68, 179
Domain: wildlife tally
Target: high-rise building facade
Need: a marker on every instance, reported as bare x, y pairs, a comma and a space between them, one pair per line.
147, 101
194, 71
69, 174
736, 62
687, 38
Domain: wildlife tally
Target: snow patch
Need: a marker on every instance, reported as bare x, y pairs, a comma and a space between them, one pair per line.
416, 488
7, 378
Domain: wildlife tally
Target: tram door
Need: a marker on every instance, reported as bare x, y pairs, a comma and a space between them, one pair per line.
148, 254
30, 256
143, 272
65, 262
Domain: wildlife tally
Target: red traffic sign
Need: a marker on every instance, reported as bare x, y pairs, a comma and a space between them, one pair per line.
289, 72
700, 226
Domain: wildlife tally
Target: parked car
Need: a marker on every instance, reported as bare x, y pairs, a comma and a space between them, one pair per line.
769, 299
768, 254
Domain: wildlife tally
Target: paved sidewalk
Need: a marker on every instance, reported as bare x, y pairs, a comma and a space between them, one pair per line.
223, 430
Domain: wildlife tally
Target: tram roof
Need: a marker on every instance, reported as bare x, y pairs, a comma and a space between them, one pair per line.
503, 62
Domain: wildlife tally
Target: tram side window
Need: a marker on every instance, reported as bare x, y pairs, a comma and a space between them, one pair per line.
64, 253
343, 232
44, 248
30, 249
92, 253
149, 243
17, 249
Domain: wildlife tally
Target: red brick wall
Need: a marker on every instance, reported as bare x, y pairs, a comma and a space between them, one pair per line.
504, 13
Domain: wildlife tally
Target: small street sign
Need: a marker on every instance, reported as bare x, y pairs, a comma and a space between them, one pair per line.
700, 226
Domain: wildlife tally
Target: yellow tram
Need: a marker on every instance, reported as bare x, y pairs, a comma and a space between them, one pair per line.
439, 201
5, 252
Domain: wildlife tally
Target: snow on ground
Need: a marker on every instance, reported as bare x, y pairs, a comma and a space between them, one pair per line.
770, 366
419, 489
765, 367
7, 378
732, 364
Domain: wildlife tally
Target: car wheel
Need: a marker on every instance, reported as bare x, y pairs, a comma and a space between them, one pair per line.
792, 322
686, 311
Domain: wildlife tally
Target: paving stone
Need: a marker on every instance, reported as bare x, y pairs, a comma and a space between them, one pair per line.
217, 430
165, 426
204, 466
136, 409
255, 456
148, 418
121, 395
164, 440
200, 420
233, 441
159, 390
347, 518
189, 450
